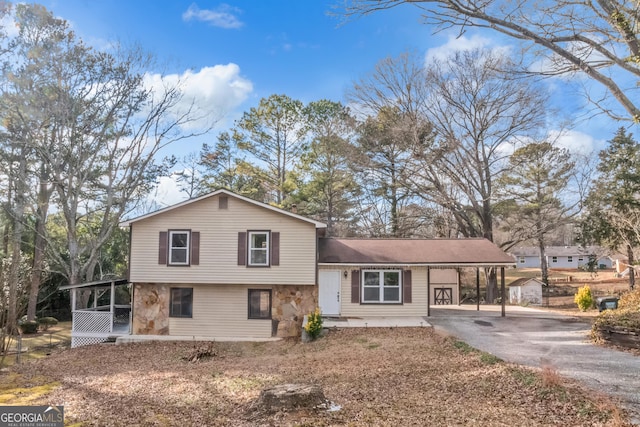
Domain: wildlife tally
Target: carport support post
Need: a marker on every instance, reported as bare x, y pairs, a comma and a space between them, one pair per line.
428, 292
477, 288
503, 296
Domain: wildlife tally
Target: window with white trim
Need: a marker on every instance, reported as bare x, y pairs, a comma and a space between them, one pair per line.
554, 259
259, 248
179, 247
521, 260
381, 286
569, 259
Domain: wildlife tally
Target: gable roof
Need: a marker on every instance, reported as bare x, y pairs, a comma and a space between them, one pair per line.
228, 193
524, 281
445, 252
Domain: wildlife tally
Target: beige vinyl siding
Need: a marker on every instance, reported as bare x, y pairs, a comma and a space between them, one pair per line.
418, 306
220, 311
219, 245
444, 278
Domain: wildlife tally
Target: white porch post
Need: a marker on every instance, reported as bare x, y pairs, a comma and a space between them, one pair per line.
112, 304
73, 300
95, 298
428, 292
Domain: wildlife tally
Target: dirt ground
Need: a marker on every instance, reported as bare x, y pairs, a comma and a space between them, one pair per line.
377, 377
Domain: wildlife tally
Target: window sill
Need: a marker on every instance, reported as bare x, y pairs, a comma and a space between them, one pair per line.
381, 303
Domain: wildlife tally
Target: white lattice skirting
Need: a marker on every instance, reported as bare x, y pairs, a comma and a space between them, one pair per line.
92, 321
80, 341
93, 327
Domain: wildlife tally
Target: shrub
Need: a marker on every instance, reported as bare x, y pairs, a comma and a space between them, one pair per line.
28, 326
314, 324
583, 298
45, 322
630, 300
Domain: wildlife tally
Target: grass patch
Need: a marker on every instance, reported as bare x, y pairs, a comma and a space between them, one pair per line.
489, 359
16, 389
464, 347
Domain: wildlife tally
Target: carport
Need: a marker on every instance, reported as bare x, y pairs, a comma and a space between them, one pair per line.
364, 278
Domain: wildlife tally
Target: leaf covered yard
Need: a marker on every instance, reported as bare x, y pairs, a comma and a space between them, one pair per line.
376, 377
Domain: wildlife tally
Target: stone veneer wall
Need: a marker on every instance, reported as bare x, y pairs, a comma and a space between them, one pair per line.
150, 309
289, 306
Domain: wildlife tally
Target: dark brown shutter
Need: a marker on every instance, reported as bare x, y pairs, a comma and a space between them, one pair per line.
162, 248
406, 286
242, 248
195, 248
275, 248
355, 286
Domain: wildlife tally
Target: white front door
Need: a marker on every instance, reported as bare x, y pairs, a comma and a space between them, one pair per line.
329, 292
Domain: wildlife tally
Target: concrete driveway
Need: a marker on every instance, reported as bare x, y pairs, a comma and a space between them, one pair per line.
537, 338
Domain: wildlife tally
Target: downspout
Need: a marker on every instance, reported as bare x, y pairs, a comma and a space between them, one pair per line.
133, 288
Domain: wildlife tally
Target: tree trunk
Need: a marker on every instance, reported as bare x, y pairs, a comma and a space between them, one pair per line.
39, 245
632, 275
491, 275
15, 243
544, 268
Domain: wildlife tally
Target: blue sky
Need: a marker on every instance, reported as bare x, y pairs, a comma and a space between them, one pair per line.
243, 50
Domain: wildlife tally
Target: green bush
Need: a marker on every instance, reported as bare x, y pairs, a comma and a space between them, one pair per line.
314, 324
584, 298
29, 326
45, 322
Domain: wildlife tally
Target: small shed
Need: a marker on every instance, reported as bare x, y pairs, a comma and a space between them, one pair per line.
526, 291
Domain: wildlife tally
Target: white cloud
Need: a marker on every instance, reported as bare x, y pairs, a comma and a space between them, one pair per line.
167, 193
575, 141
456, 44
213, 92
224, 16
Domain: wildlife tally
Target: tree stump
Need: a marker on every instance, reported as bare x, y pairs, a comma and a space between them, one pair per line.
288, 397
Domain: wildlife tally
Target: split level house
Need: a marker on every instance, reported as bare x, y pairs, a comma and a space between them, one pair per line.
224, 265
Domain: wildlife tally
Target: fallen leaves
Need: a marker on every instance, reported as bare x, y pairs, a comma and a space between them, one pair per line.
399, 377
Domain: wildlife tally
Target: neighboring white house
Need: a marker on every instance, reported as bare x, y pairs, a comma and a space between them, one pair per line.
526, 291
562, 256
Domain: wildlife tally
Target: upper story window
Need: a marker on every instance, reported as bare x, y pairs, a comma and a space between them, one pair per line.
179, 247
381, 286
259, 248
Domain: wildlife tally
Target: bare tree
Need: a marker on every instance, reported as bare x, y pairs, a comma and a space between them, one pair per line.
102, 124
478, 114
393, 99
598, 39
